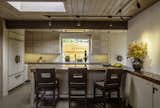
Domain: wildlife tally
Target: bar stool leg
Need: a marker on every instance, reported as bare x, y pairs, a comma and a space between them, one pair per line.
37, 100
58, 92
86, 100
104, 99
54, 103
118, 95
69, 99
94, 93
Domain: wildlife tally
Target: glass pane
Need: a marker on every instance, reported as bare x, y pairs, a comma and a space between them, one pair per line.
74, 49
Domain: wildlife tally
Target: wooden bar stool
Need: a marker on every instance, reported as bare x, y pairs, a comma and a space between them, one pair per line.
111, 84
46, 86
77, 80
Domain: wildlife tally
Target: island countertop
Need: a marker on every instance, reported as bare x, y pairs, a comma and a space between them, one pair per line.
64, 67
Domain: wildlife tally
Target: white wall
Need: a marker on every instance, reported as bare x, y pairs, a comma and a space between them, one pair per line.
146, 27
117, 46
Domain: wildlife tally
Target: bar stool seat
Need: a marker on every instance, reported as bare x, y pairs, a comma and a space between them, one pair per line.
101, 85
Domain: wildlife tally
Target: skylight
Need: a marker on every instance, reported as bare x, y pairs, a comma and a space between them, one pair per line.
28, 6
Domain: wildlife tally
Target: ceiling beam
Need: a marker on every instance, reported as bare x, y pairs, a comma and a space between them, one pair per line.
22, 24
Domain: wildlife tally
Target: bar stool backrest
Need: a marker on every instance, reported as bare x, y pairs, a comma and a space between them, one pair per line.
44, 76
113, 76
77, 75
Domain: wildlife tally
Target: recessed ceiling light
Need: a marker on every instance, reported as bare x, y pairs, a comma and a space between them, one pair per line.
37, 6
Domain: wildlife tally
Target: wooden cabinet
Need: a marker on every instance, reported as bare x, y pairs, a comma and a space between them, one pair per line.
156, 96
15, 80
138, 91
141, 93
99, 43
15, 48
42, 42
15, 58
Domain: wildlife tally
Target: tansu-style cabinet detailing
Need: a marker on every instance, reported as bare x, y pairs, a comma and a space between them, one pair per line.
99, 43
15, 58
38, 42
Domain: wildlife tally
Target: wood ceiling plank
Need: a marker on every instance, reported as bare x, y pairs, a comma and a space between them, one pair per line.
74, 7
93, 7
104, 5
120, 6
130, 7
97, 6
109, 7
86, 7
68, 6
77, 6
80, 4
115, 6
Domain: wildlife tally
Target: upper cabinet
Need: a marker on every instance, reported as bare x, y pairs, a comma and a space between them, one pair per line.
42, 42
99, 43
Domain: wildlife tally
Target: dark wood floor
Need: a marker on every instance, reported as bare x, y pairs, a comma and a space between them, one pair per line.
20, 98
90, 104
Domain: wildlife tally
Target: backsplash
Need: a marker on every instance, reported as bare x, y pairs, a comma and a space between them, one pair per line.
33, 58
49, 58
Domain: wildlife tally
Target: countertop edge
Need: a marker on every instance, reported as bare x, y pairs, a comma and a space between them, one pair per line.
66, 63
146, 77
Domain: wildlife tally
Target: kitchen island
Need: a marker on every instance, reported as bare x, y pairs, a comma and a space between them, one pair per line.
95, 72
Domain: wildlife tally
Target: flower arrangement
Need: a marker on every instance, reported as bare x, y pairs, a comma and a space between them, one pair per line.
137, 50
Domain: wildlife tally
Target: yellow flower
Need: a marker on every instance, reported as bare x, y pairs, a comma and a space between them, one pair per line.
137, 50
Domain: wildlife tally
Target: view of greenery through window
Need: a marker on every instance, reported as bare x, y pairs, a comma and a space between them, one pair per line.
74, 49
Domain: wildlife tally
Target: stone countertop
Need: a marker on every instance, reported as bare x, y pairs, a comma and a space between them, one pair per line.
64, 67
153, 77
67, 63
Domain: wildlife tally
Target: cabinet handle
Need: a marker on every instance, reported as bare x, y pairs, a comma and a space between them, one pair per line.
17, 76
154, 90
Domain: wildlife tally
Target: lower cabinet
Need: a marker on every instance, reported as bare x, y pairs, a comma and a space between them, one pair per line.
156, 96
141, 93
142, 90
15, 80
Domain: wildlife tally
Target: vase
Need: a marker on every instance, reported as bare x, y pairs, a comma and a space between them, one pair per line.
137, 64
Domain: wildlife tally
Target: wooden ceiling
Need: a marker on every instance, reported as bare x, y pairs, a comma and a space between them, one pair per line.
86, 9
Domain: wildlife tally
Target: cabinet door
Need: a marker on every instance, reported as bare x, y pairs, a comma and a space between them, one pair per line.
42, 43
12, 52
99, 44
156, 96
141, 93
20, 52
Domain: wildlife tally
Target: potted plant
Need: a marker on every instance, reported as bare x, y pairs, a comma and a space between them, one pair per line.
137, 52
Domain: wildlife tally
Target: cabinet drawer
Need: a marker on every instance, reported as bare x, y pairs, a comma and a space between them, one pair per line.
15, 80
